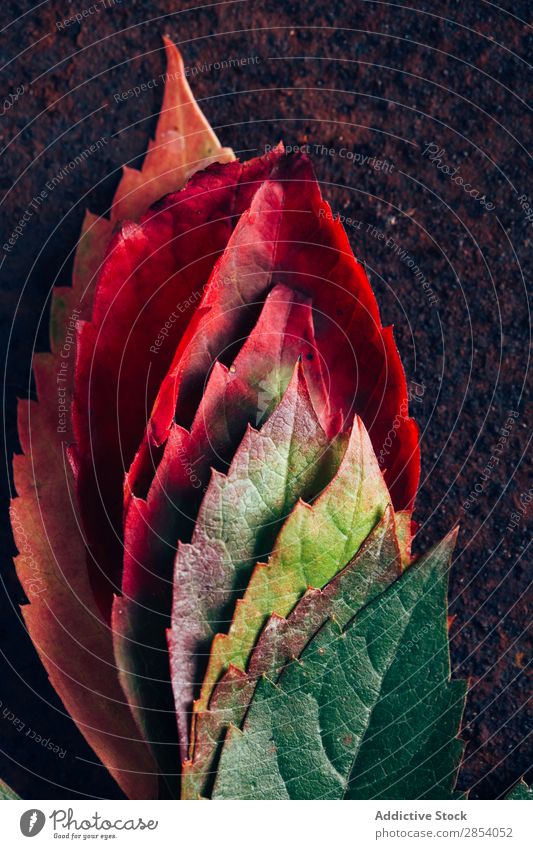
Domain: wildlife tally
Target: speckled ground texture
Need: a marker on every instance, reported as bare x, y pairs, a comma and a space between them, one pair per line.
379, 80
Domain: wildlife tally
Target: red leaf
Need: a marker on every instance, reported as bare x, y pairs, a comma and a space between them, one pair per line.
290, 236
152, 280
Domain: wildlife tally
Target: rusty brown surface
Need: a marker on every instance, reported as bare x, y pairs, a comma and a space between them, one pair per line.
373, 80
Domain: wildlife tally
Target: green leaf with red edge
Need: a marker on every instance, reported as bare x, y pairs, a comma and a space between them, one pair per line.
63, 618
313, 545
368, 711
290, 457
232, 399
373, 568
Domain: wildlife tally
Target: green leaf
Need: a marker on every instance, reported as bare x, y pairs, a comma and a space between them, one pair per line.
521, 792
290, 457
374, 567
313, 545
366, 712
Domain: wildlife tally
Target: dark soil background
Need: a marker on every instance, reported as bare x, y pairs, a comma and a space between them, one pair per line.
381, 80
